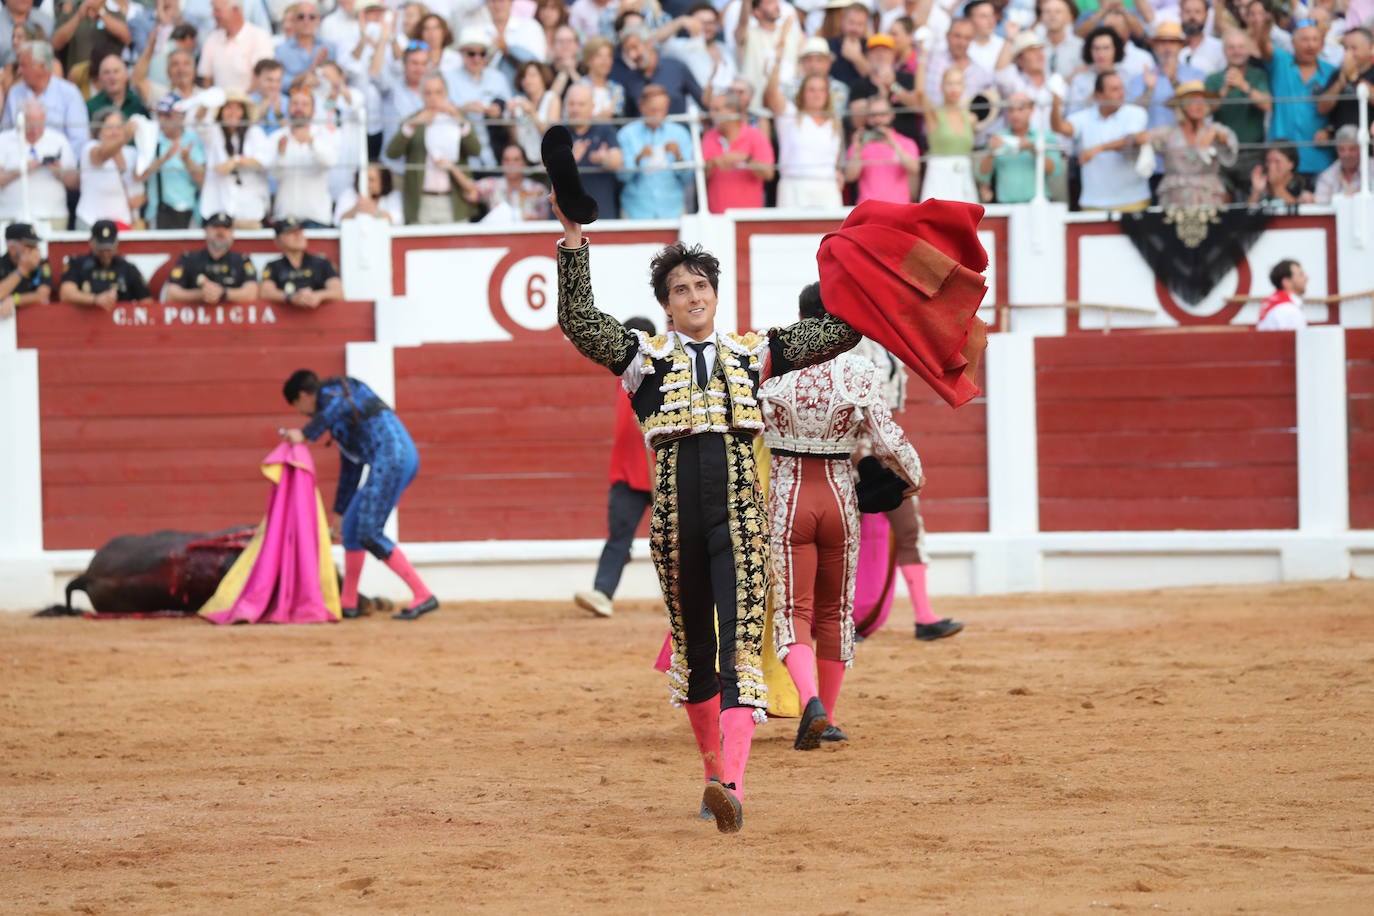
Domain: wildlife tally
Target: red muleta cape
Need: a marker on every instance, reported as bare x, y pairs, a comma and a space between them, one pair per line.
910, 276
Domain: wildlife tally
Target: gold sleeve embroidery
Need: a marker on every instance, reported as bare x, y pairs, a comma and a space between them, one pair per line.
809, 342
597, 336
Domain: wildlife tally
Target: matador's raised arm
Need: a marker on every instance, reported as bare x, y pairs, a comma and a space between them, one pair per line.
808, 342
597, 336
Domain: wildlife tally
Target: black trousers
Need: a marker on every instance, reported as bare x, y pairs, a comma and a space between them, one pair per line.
625, 508
706, 569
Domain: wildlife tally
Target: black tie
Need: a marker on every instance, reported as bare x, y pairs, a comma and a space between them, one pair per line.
700, 350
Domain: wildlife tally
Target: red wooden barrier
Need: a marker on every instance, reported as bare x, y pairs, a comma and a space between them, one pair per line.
1359, 357
515, 441
162, 424
1167, 431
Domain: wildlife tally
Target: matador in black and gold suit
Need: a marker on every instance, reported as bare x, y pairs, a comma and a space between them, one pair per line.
709, 529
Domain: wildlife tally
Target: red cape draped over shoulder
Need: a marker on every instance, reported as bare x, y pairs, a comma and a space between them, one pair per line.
910, 276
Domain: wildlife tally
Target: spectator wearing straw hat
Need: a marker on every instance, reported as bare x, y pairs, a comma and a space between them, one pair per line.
1193, 152
1022, 70
816, 60
237, 155
480, 91
1154, 88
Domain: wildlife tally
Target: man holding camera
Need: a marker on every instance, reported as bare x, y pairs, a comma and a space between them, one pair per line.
51, 166
883, 162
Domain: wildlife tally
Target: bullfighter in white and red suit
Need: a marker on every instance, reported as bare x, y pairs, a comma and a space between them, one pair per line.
813, 421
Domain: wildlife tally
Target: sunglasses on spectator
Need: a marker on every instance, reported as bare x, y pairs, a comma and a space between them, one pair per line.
474, 52
1305, 24
418, 45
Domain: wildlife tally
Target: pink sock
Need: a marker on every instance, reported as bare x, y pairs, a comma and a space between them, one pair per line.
705, 719
398, 564
915, 575
353, 571
831, 675
736, 731
801, 664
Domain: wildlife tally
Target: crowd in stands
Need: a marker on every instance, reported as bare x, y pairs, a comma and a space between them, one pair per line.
162, 114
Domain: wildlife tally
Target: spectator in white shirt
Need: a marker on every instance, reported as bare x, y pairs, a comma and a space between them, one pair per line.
1342, 177
1063, 47
1200, 50
51, 167
303, 155
698, 45
514, 39
232, 50
1106, 135
956, 54
986, 46
237, 154
107, 165
60, 99
1282, 311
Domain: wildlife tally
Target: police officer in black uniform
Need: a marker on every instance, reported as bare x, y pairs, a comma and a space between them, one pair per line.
214, 274
25, 278
298, 277
102, 277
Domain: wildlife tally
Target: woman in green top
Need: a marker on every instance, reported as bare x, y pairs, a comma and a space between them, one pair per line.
949, 133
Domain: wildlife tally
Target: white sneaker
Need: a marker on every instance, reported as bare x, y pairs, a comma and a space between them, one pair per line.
596, 602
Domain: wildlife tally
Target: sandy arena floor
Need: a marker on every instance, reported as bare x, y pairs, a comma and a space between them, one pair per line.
1187, 751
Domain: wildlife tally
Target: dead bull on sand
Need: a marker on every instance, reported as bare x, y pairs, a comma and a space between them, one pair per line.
163, 572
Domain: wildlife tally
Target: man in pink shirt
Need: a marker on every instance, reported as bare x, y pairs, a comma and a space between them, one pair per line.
882, 161
233, 49
738, 158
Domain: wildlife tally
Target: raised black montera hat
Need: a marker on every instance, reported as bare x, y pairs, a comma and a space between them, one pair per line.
559, 162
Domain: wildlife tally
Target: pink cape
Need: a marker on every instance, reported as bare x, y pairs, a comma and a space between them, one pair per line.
287, 573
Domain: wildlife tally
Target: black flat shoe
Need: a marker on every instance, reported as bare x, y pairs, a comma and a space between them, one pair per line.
813, 724
729, 813
832, 733
350, 613
940, 629
424, 607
